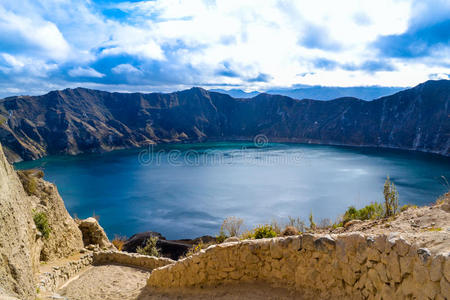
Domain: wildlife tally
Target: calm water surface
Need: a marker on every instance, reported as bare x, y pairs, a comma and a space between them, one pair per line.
185, 191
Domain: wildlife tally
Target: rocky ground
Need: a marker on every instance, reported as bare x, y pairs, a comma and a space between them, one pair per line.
428, 226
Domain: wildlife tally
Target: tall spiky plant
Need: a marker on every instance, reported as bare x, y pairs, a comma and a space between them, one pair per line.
390, 198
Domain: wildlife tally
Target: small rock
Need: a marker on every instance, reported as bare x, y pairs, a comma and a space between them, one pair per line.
401, 246
325, 243
424, 254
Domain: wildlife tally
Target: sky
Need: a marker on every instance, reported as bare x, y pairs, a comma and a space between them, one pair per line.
252, 45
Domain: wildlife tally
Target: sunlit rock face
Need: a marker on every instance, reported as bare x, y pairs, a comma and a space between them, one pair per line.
79, 120
22, 246
18, 233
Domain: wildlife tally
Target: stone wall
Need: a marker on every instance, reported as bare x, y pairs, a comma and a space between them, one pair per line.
339, 266
130, 259
58, 275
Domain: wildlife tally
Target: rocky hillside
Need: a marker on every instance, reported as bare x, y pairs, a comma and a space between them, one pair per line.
26, 240
17, 235
79, 120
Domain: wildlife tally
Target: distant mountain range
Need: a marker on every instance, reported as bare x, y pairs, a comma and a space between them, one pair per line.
320, 92
73, 121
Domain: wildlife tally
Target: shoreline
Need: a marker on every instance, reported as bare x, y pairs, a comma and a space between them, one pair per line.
281, 141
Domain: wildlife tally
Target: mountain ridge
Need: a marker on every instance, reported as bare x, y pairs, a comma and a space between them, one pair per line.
73, 121
317, 92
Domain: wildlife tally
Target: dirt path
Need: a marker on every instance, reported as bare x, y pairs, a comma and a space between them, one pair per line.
111, 282
107, 282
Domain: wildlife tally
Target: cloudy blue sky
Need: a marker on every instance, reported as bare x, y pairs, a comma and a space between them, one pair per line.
254, 45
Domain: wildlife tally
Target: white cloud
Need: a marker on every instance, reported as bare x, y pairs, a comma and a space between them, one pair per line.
20, 31
187, 42
265, 36
12, 61
85, 72
125, 68
25, 67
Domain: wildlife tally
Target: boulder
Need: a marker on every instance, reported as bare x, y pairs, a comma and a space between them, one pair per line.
93, 234
172, 249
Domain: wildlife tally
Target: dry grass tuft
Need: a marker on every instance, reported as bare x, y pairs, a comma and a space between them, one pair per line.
119, 241
29, 181
289, 230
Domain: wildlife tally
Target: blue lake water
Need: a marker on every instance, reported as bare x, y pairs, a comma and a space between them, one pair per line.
185, 191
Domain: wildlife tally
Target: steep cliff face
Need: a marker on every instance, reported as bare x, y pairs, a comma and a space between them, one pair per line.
64, 238
18, 235
80, 120
22, 246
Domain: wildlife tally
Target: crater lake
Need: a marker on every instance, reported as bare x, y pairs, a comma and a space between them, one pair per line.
186, 190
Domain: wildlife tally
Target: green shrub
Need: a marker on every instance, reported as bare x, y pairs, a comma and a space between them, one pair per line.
369, 212
406, 206
337, 225
264, 231
41, 221
149, 248
390, 198
221, 237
